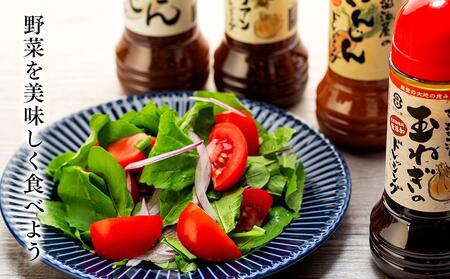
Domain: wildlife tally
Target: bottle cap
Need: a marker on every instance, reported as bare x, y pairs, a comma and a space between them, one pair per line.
421, 42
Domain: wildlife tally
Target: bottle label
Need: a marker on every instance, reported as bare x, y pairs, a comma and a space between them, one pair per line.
159, 18
360, 37
260, 21
418, 147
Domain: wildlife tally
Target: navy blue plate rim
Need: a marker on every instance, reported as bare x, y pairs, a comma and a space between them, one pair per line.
179, 93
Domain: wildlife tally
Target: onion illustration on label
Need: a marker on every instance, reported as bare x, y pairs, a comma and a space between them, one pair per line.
439, 184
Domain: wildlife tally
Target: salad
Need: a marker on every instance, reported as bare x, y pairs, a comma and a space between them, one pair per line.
172, 190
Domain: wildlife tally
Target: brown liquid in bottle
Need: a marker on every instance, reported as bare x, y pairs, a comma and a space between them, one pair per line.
158, 56
352, 113
408, 243
264, 60
352, 97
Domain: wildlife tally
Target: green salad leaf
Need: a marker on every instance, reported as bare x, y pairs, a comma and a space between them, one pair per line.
295, 175
278, 218
254, 232
148, 118
175, 173
276, 185
199, 119
176, 245
97, 122
172, 203
228, 209
226, 98
58, 161
103, 164
257, 175
272, 142
84, 202
116, 130
55, 216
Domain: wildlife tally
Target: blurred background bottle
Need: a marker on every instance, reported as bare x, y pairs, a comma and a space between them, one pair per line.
410, 226
352, 97
161, 47
262, 56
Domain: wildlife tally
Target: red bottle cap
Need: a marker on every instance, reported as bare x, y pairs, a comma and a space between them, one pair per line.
421, 43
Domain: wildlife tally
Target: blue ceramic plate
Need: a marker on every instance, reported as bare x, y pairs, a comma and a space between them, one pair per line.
326, 197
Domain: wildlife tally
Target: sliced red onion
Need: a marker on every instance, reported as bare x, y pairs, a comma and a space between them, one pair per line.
202, 177
153, 203
160, 253
218, 103
152, 160
144, 209
128, 181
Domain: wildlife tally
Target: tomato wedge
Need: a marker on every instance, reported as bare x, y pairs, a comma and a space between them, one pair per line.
228, 155
125, 150
247, 126
203, 237
125, 237
255, 205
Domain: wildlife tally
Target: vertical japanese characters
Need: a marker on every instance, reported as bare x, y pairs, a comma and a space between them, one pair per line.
33, 95
418, 154
360, 37
160, 18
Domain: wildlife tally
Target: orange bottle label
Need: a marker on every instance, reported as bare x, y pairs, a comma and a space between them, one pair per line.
159, 18
260, 21
360, 37
418, 146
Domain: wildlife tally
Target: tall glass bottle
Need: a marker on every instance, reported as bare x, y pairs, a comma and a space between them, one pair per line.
262, 56
410, 226
352, 97
161, 47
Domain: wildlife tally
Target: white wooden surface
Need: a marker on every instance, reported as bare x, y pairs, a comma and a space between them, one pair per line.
80, 38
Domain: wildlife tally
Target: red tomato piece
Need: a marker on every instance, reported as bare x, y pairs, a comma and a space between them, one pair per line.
125, 150
247, 125
255, 205
125, 237
203, 237
228, 155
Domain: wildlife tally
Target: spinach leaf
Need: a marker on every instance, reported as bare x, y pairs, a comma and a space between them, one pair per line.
184, 260
185, 266
272, 142
295, 187
54, 215
116, 130
85, 239
103, 164
84, 202
97, 122
257, 175
58, 161
254, 232
129, 116
98, 182
178, 247
228, 209
200, 119
259, 160
175, 173
144, 144
277, 184
167, 265
227, 98
148, 118
279, 217
172, 204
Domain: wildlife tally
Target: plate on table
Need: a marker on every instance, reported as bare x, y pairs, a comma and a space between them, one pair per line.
326, 196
